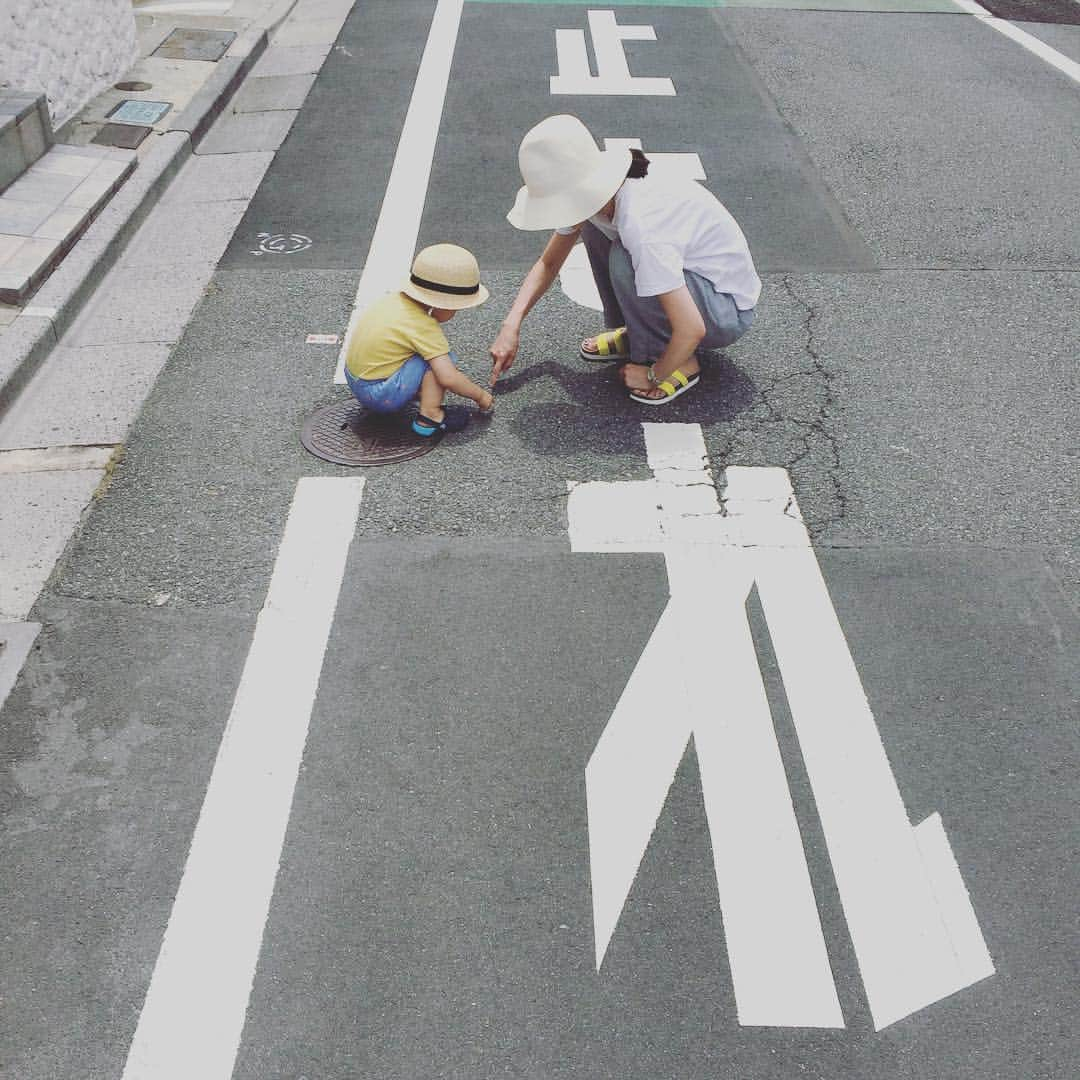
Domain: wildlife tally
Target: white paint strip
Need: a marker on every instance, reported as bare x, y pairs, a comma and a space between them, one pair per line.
55, 459
1069, 68
898, 930
699, 676
394, 240
911, 921
193, 1016
953, 899
613, 74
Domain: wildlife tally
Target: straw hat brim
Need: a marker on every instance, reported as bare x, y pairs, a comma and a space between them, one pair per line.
565, 208
447, 301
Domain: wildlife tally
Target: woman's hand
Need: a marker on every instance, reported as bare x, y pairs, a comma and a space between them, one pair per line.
503, 351
485, 402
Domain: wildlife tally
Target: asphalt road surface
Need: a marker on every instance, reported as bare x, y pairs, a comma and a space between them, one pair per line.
296, 778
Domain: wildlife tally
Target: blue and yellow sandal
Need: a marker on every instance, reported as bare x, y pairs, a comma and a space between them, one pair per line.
611, 346
673, 386
453, 420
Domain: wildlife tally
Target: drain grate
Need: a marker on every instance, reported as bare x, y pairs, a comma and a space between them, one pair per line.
347, 435
138, 111
127, 136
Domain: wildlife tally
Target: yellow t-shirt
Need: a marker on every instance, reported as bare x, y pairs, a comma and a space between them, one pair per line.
388, 333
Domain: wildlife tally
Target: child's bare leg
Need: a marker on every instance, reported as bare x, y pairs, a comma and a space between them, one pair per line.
431, 397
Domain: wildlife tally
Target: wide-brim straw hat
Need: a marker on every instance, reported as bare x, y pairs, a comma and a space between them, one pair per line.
568, 178
445, 276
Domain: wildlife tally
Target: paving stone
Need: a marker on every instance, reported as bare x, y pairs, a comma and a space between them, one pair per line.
65, 223
30, 262
219, 178
139, 304
298, 31
98, 185
38, 513
22, 218
290, 60
43, 187
9, 244
273, 92
59, 160
237, 133
85, 396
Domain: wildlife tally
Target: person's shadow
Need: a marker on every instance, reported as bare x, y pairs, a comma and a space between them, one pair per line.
603, 419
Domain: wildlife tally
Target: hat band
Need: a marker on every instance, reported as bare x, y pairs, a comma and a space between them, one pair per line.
453, 290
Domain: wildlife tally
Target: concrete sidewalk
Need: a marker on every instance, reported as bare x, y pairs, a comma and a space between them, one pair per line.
107, 320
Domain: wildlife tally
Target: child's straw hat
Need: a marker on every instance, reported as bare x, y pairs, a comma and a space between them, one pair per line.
445, 276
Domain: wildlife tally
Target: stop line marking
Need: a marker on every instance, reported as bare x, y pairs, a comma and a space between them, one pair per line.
193, 1016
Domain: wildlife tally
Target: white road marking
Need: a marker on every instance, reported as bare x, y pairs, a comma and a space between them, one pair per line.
576, 276
613, 74
1055, 59
193, 1015
394, 240
779, 963
915, 933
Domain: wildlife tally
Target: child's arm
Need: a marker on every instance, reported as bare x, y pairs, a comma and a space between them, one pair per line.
458, 383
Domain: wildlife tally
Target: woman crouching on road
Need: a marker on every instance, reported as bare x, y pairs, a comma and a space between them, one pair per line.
672, 266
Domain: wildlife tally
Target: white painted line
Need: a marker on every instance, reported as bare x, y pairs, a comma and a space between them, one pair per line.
897, 927
193, 1016
16, 641
1069, 68
953, 899
914, 930
613, 74
394, 240
699, 676
55, 459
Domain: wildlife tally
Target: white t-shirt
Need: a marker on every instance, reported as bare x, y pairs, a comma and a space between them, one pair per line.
670, 224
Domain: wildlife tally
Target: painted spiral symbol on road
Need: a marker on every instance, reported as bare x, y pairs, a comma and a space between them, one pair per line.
281, 243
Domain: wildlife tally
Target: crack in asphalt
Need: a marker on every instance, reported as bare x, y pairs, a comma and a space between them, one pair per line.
815, 425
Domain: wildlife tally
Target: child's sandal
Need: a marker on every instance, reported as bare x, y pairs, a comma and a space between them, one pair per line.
453, 420
611, 346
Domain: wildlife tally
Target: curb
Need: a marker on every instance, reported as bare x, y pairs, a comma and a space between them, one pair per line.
26, 343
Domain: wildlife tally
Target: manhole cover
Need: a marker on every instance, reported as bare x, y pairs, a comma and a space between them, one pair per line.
137, 111
186, 43
127, 136
347, 435
133, 87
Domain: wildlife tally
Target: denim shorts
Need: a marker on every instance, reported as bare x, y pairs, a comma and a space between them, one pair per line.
394, 392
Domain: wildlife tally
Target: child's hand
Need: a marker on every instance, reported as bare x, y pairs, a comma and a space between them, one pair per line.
485, 402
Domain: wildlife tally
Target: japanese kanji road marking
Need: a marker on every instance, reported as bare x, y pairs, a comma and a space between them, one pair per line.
613, 73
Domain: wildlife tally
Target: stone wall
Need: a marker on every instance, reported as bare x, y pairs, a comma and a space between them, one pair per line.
70, 50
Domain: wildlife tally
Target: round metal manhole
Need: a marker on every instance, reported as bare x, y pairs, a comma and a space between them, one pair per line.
133, 87
347, 435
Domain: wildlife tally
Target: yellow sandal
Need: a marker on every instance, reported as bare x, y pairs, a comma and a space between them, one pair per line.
611, 345
673, 386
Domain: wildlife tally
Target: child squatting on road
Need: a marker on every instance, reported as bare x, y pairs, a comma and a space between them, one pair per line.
398, 350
